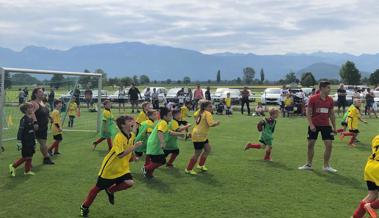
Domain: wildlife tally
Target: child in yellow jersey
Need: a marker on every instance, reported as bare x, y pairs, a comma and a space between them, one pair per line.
142, 116
370, 203
204, 121
184, 110
56, 128
144, 132
107, 129
353, 118
114, 174
228, 104
72, 111
172, 147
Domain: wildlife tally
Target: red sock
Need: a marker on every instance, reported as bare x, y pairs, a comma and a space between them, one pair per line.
360, 211
99, 140
203, 158
119, 187
109, 141
340, 130
191, 163
256, 146
28, 165
375, 205
53, 146
147, 160
91, 196
347, 134
172, 159
151, 167
352, 140
57, 146
18, 162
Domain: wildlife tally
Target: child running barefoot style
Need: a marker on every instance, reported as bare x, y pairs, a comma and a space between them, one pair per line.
27, 139
204, 120
144, 132
72, 112
56, 128
114, 173
370, 203
108, 128
172, 147
267, 128
353, 118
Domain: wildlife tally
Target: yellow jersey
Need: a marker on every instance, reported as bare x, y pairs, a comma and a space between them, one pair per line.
288, 101
72, 108
228, 102
372, 167
141, 117
56, 117
353, 118
202, 124
114, 167
107, 115
184, 112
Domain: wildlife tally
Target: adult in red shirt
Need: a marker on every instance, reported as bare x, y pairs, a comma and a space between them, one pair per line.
320, 113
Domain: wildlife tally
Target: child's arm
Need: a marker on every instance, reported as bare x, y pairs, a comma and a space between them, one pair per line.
130, 149
176, 133
362, 120
20, 133
181, 129
161, 139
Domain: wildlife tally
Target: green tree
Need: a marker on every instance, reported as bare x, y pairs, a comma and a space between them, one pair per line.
262, 76
307, 79
239, 80
291, 78
374, 78
350, 74
248, 75
23, 79
135, 80
57, 81
186, 80
168, 81
144, 79
126, 81
94, 80
218, 79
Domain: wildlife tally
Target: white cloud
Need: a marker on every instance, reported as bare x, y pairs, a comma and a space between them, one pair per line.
259, 26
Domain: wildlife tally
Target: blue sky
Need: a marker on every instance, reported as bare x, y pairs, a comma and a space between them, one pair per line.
261, 26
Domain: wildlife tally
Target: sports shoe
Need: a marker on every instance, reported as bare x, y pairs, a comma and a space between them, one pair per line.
370, 210
329, 169
84, 211
48, 161
191, 172
202, 168
12, 170
110, 196
50, 153
247, 146
305, 167
29, 173
57, 153
267, 159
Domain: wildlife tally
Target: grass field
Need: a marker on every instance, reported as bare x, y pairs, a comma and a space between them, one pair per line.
238, 184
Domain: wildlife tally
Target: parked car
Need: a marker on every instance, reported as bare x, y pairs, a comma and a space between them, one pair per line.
172, 95
235, 94
271, 96
66, 97
217, 95
104, 95
307, 91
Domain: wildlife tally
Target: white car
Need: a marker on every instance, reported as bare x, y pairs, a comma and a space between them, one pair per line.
217, 96
271, 96
115, 96
172, 94
104, 95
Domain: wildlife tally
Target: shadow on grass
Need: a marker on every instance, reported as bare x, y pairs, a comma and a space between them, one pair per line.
20, 177
174, 172
340, 179
154, 183
207, 179
273, 164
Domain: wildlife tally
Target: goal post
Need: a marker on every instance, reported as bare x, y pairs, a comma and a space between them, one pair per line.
5, 70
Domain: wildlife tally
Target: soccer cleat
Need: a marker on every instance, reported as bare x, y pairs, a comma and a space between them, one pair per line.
247, 146
191, 172
57, 153
267, 159
370, 210
50, 153
84, 211
48, 161
329, 169
29, 173
12, 170
305, 167
169, 165
202, 168
110, 196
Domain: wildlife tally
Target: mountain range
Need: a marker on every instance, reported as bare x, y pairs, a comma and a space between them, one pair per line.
163, 62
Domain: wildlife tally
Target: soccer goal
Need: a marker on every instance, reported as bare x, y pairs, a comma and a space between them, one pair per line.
85, 89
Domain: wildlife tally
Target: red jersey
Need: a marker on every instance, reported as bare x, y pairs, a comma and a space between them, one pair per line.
320, 109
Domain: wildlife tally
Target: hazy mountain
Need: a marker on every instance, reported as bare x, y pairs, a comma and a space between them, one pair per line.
162, 62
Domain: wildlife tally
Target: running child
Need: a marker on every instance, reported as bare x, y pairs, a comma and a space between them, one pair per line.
204, 120
344, 120
156, 143
172, 139
56, 128
26, 136
228, 104
108, 128
267, 128
184, 110
114, 174
370, 203
142, 116
72, 112
144, 132
353, 119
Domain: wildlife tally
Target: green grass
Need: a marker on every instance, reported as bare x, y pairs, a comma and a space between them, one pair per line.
239, 184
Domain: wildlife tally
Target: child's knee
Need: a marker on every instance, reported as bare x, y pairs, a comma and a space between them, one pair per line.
129, 182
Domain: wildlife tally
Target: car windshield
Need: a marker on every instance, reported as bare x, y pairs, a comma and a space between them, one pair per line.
273, 91
173, 91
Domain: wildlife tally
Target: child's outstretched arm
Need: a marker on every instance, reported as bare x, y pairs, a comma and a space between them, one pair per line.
184, 128
130, 149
